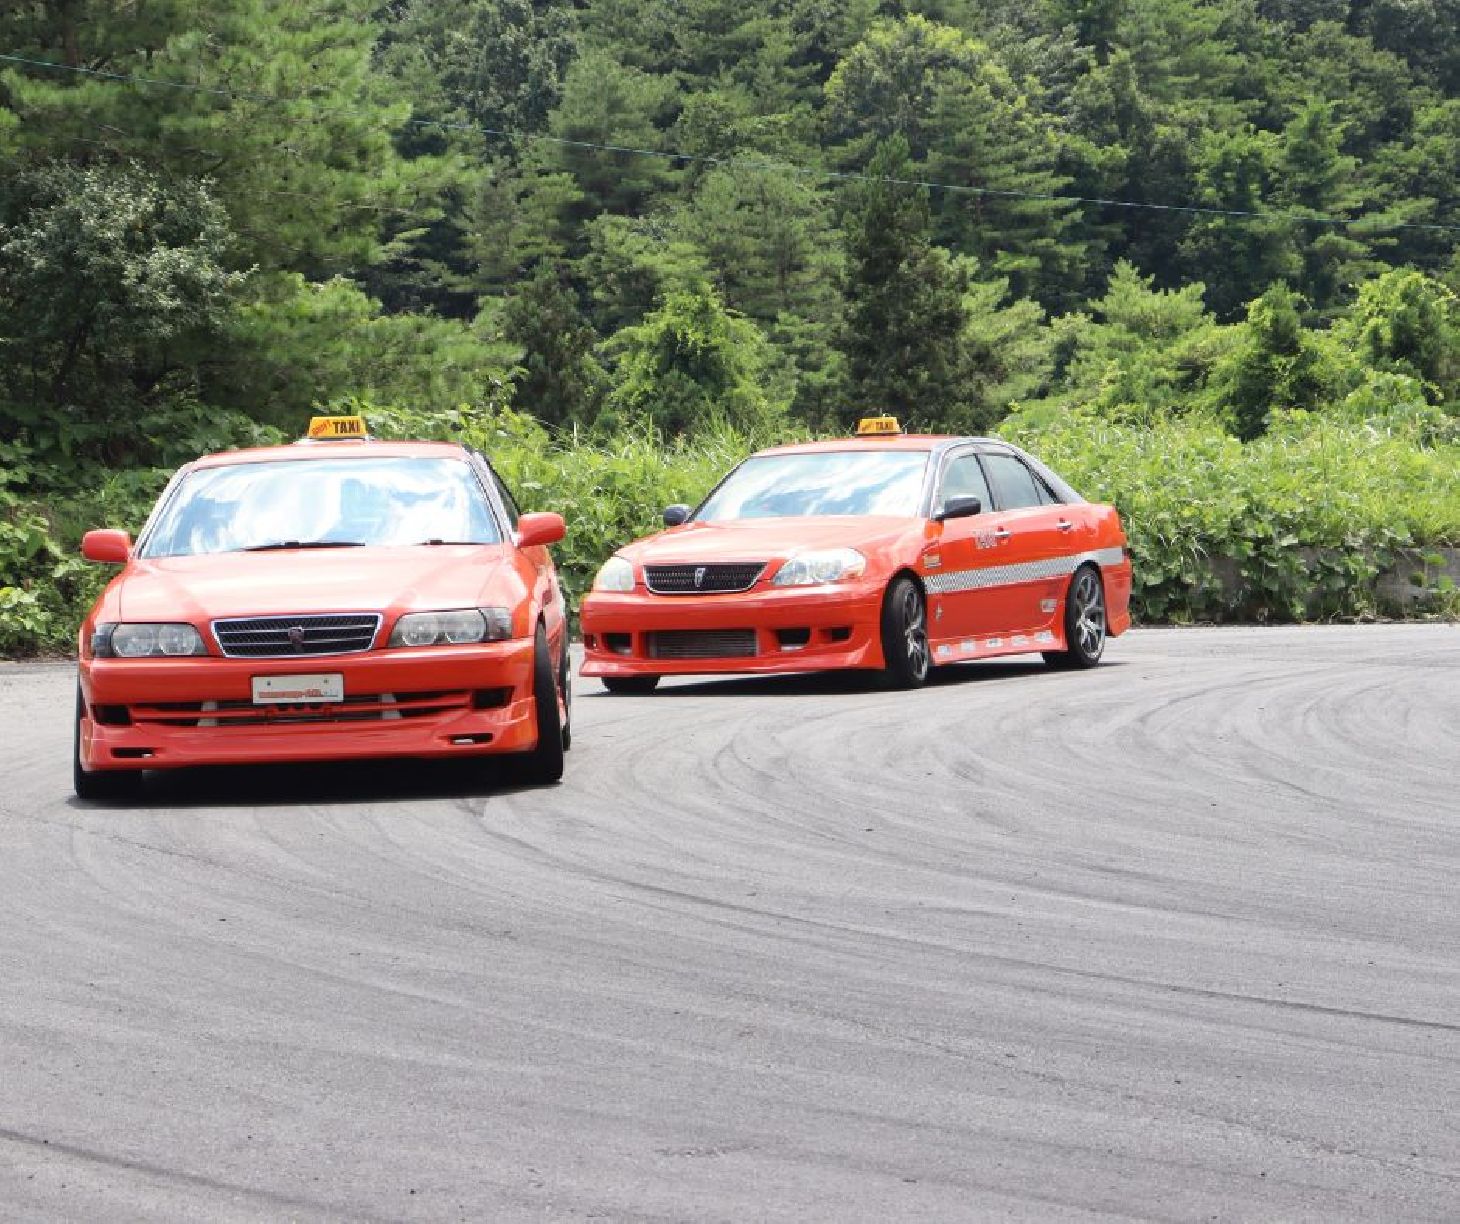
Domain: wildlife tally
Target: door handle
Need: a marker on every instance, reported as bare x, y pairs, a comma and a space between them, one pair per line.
1065, 525
1001, 534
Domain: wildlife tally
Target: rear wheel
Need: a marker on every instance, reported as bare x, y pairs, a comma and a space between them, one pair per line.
905, 635
100, 786
630, 685
544, 763
1085, 622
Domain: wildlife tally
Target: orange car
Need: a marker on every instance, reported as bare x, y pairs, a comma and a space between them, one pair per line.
880, 551
327, 600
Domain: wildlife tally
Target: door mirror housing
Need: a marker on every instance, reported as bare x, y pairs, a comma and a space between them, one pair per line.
676, 514
107, 545
542, 528
959, 507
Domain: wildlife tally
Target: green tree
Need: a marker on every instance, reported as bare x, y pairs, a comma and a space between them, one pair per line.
607, 104
1409, 323
1238, 255
1279, 365
905, 312
296, 345
275, 102
691, 365
769, 235
558, 380
111, 283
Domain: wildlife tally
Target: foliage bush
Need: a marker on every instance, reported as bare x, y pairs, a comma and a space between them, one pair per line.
1294, 525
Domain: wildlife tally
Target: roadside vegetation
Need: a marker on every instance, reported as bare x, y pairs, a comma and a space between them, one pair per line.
618, 244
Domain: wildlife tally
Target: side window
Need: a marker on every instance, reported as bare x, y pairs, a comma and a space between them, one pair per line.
964, 478
1013, 483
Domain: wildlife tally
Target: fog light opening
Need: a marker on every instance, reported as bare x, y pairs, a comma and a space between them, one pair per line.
490, 699
839, 634
793, 639
133, 754
467, 741
619, 643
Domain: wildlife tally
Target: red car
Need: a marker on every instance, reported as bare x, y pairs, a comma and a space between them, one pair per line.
882, 551
328, 600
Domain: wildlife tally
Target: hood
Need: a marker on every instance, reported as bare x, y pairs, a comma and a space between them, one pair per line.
766, 539
204, 588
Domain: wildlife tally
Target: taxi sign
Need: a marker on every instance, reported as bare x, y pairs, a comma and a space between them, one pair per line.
868, 426
325, 427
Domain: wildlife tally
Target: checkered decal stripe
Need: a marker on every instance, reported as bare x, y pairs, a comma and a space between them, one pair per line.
955, 581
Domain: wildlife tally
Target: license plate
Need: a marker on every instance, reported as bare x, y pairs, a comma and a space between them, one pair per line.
298, 690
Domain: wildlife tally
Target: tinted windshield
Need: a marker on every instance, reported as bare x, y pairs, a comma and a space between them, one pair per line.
823, 482
323, 502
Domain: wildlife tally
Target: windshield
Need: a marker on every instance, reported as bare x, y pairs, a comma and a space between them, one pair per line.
821, 482
322, 503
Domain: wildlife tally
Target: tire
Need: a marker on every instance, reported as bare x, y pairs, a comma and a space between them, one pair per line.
905, 651
630, 686
1085, 622
100, 786
544, 764
565, 686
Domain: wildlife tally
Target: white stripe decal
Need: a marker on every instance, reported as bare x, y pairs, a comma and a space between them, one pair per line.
954, 581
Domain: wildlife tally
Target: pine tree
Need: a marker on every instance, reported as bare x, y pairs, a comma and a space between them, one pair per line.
905, 314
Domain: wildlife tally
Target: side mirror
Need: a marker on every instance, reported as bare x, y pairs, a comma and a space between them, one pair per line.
107, 545
676, 514
543, 528
959, 507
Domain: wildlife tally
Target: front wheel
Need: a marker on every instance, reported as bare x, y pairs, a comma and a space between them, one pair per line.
1085, 622
630, 685
905, 650
100, 786
544, 763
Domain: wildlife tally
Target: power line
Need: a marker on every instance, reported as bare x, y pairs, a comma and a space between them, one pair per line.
751, 164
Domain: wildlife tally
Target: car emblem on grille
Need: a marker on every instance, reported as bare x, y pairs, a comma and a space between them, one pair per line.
699, 576
296, 637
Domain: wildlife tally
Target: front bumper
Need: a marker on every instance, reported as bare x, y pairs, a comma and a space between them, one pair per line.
429, 702
790, 630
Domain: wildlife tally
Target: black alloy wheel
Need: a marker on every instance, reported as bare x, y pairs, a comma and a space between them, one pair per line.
905, 652
1085, 622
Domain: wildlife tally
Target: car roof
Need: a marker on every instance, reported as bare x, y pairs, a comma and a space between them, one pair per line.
897, 442
351, 449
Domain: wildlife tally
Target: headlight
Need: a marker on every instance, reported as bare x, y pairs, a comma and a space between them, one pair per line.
815, 568
146, 641
616, 575
456, 627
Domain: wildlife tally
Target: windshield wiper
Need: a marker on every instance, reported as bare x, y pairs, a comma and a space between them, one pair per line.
437, 542
282, 544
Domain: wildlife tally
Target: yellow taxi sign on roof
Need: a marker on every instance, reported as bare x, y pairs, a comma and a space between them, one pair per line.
872, 426
322, 428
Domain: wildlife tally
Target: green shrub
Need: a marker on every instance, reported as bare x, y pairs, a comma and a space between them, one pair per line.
1301, 520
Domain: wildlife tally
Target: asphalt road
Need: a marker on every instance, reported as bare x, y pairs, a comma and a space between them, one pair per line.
1175, 939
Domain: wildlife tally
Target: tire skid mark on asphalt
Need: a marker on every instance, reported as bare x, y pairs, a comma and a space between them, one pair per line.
832, 948
58, 1148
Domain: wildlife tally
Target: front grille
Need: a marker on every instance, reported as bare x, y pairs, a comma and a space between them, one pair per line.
363, 707
701, 644
288, 637
722, 579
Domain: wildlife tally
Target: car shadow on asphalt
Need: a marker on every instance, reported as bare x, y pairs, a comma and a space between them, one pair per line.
326, 782
811, 684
